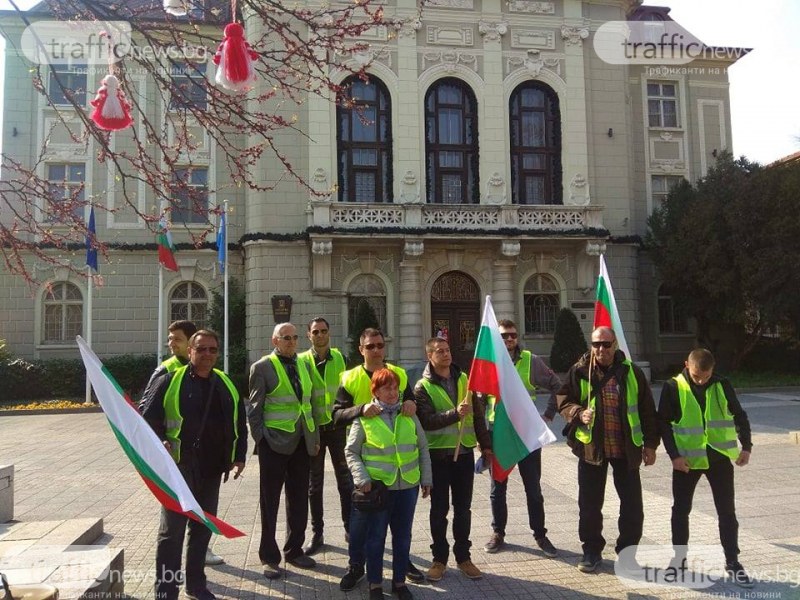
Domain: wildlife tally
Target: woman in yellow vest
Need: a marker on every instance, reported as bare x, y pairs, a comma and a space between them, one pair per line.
391, 448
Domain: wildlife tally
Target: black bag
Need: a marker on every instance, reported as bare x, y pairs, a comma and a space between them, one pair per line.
371, 501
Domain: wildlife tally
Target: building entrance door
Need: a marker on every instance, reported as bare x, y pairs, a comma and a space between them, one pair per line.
455, 314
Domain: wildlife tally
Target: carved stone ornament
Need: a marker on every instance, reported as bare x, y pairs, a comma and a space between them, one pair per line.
450, 59
409, 192
510, 248
579, 190
534, 63
495, 189
320, 175
492, 31
468, 4
666, 136
414, 248
595, 248
322, 247
320, 186
528, 6
408, 28
574, 36
454, 35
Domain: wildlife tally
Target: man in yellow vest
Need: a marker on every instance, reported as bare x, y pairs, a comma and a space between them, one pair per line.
611, 421
354, 400
535, 375
328, 363
444, 411
197, 412
701, 419
282, 392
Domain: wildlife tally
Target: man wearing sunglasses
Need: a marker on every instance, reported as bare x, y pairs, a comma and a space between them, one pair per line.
354, 400
197, 412
283, 390
535, 375
611, 417
328, 363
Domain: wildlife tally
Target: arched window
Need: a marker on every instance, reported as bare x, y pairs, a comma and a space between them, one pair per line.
189, 301
671, 319
451, 143
364, 139
365, 293
535, 145
542, 302
63, 314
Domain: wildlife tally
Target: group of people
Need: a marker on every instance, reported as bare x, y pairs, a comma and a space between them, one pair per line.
390, 438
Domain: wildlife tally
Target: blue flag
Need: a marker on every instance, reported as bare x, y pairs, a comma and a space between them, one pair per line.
222, 243
91, 248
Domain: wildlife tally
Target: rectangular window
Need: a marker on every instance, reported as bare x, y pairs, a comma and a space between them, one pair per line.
662, 104
190, 195
661, 185
670, 318
190, 87
67, 187
72, 79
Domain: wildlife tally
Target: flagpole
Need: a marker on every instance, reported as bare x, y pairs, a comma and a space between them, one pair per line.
90, 280
160, 313
225, 276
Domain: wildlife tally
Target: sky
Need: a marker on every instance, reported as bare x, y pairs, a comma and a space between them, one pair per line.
765, 85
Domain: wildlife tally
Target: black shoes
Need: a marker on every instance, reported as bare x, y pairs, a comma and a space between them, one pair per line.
376, 593
414, 575
403, 593
302, 562
355, 573
314, 545
547, 547
736, 573
589, 562
203, 594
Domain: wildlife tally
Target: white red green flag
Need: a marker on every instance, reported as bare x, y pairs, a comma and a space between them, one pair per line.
166, 249
144, 449
518, 427
605, 308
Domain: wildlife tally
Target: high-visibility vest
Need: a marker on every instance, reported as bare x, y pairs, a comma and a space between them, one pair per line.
584, 432
446, 437
386, 453
357, 383
284, 409
694, 432
173, 363
523, 367
334, 367
173, 420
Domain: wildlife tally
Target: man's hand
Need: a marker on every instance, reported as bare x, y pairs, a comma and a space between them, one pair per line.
680, 464
316, 449
409, 408
370, 410
464, 409
648, 456
426, 491
366, 487
744, 458
238, 467
586, 416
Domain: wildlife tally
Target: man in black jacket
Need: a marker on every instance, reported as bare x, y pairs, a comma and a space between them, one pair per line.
198, 414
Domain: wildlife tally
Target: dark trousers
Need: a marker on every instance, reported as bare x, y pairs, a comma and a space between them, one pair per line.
456, 477
334, 440
720, 478
277, 469
530, 469
591, 493
170, 538
399, 516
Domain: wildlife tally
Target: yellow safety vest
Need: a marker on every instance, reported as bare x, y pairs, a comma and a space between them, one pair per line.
523, 367
173, 420
334, 367
357, 383
584, 432
386, 453
284, 409
446, 437
694, 432
173, 363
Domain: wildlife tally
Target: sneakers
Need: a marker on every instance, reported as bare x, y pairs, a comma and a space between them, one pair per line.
314, 545
271, 570
547, 547
469, 569
212, 559
436, 572
355, 573
589, 562
203, 594
302, 562
402, 591
495, 543
738, 575
413, 574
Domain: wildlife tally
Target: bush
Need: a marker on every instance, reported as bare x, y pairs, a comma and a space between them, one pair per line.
365, 317
132, 371
569, 344
237, 331
22, 380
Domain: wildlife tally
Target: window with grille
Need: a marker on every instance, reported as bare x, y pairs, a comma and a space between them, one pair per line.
189, 301
542, 301
662, 104
190, 195
190, 86
66, 186
72, 79
369, 290
661, 186
63, 314
671, 318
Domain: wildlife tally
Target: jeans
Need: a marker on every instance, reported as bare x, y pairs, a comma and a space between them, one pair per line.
457, 476
170, 538
334, 439
720, 478
399, 515
530, 469
591, 494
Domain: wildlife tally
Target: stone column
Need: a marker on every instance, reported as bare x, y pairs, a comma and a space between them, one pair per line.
503, 297
493, 129
410, 338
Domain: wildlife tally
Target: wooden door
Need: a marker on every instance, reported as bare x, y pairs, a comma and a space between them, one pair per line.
455, 315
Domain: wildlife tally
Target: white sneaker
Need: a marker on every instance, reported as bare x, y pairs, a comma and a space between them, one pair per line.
212, 559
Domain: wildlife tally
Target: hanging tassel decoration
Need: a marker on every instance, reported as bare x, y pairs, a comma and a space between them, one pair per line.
234, 59
111, 109
175, 7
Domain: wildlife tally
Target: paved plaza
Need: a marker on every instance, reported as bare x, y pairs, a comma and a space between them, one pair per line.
70, 466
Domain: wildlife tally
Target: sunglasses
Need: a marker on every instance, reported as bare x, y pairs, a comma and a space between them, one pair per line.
508, 335
319, 332
204, 349
605, 345
288, 338
379, 346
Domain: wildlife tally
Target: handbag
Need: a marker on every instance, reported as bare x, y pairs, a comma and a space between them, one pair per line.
373, 500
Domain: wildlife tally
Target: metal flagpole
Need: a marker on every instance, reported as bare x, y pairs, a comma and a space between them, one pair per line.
90, 280
159, 353
225, 275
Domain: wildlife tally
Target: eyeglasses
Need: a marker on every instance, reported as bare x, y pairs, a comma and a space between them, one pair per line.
319, 332
204, 349
288, 338
603, 344
509, 335
379, 346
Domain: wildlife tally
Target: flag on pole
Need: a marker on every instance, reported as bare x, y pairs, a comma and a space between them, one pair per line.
166, 249
605, 308
222, 242
518, 427
144, 449
91, 241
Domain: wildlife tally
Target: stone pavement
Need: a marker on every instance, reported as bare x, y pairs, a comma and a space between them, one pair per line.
70, 466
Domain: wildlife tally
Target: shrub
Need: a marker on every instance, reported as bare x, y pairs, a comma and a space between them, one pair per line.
22, 380
569, 343
132, 371
365, 317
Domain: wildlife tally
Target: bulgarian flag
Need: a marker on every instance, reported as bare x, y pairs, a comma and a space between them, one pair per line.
605, 308
166, 249
144, 449
518, 428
